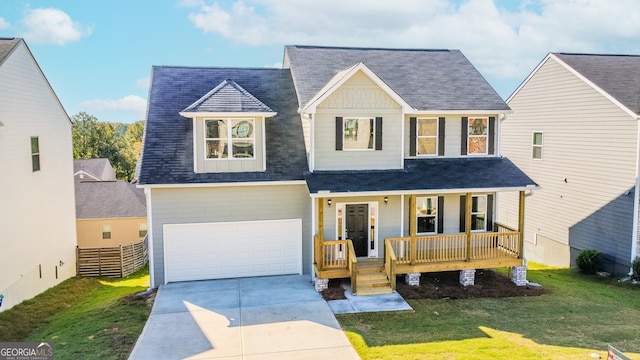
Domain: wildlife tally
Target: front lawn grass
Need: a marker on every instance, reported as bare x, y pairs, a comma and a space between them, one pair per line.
85, 318
578, 316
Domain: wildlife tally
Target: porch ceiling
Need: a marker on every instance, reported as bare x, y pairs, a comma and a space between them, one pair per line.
424, 174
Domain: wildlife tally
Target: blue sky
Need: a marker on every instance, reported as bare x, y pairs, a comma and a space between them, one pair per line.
98, 54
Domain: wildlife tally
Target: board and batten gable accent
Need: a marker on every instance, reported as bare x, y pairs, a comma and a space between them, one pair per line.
226, 204
587, 174
37, 216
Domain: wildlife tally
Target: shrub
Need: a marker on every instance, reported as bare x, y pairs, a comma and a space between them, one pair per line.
635, 267
589, 261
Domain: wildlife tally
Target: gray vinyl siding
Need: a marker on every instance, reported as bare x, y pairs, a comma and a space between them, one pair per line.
229, 165
590, 142
222, 204
358, 97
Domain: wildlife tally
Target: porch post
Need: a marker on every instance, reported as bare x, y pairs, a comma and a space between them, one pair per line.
412, 228
521, 224
321, 219
467, 224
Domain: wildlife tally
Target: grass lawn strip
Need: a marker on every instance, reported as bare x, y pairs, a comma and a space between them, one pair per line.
578, 316
94, 319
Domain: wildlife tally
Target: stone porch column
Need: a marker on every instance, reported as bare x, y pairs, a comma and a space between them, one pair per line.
412, 279
468, 277
321, 284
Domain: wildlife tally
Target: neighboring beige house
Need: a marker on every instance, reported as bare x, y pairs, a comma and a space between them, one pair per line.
347, 162
37, 215
93, 170
110, 213
574, 130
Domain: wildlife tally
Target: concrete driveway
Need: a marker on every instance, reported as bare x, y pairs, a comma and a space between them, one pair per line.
275, 317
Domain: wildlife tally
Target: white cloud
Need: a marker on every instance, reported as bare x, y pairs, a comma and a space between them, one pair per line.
502, 43
277, 65
133, 105
143, 83
4, 24
52, 26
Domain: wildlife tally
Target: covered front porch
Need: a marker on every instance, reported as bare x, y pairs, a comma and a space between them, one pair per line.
496, 245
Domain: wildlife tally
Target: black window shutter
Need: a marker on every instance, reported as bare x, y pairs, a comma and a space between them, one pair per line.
465, 129
440, 214
339, 131
463, 211
412, 136
378, 133
441, 136
492, 135
490, 212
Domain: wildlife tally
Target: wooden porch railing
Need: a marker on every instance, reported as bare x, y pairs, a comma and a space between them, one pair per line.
390, 261
442, 248
353, 266
334, 258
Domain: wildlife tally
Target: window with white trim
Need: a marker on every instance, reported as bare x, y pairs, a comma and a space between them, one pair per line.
427, 136
106, 232
359, 134
142, 230
427, 215
479, 212
229, 138
536, 145
477, 135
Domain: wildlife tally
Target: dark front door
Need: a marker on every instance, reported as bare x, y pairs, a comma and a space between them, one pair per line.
357, 230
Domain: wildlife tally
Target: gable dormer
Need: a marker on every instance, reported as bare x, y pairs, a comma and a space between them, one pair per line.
229, 130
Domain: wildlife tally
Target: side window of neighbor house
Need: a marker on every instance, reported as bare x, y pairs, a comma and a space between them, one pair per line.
142, 230
536, 145
35, 153
106, 232
230, 138
426, 215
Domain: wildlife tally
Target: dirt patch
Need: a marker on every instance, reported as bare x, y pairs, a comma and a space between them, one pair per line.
446, 285
335, 291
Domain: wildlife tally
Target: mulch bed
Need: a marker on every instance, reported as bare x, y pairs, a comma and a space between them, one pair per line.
446, 285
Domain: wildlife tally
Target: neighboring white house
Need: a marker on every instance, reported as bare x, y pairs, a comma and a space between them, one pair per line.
252, 172
574, 130
37, 209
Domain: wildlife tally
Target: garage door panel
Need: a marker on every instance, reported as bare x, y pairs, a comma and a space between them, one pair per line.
227, 250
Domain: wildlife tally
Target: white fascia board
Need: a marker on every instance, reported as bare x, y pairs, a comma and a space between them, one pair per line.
227, 114
342, 77
324, 194
459, 112
227, 184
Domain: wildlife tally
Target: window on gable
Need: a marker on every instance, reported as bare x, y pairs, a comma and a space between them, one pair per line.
106, 232
230, 138
359, 133
35, 154
536, 145
477, 135
426, 215
142, 230
427, 136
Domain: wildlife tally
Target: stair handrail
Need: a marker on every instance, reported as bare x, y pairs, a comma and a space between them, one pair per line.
353, 266
390, 263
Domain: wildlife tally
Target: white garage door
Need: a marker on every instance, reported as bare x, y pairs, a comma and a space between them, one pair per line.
232, 249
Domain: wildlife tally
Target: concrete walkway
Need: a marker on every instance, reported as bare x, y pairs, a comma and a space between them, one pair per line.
369, 303
275, 317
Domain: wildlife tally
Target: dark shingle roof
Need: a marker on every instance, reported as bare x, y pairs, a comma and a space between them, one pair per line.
425, 79
618, 75
98, 168
6, 47
228, 97
109, 199
424, 174
168, 141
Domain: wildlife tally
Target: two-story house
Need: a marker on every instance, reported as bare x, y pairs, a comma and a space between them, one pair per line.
37, 213
574, 129
345, 162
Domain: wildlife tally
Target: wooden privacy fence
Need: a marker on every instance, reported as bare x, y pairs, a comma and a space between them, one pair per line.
112, 261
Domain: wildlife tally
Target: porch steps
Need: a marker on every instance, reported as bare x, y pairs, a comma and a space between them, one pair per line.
372, 277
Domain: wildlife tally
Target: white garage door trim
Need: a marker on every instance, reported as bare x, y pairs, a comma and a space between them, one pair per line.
199, 251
